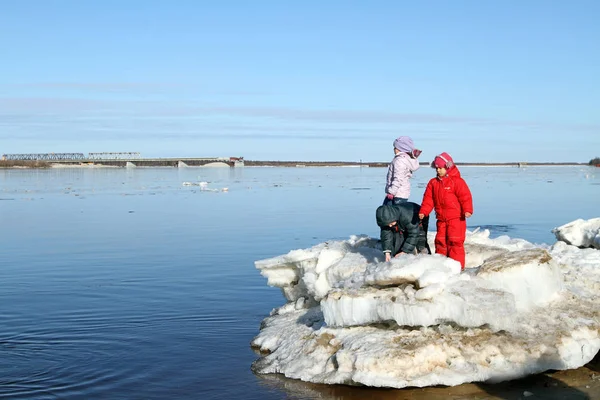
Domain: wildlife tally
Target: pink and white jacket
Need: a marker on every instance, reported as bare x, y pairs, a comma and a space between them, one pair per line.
399, 173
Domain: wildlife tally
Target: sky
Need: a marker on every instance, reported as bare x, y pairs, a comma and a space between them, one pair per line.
486, 81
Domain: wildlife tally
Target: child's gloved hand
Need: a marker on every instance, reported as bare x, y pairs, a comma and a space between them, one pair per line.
390, 196
416, 153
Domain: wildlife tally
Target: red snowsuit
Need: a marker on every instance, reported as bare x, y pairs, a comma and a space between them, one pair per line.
451, 198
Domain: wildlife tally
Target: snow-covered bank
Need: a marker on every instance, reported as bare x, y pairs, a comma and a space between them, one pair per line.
351, 318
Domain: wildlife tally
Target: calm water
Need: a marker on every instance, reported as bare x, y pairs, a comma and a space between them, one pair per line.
124, 283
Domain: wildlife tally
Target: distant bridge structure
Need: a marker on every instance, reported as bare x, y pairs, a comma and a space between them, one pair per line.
71, 156
44, 156
123, 159
114, 156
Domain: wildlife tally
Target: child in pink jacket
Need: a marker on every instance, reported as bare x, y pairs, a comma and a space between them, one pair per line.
400, 170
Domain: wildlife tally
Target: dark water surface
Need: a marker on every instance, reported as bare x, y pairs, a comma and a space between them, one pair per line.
126, 283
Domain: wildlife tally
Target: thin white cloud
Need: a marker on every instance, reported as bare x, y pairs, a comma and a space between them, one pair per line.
40, 107
133, 88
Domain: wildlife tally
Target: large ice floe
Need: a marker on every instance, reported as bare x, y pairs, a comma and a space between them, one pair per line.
351, 318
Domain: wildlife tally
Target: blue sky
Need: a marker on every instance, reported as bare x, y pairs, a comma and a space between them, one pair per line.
489, 81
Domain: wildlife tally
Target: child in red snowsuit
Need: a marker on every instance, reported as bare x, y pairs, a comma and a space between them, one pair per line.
450, 196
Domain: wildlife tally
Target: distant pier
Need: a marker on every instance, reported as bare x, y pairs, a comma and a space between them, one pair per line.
122, 159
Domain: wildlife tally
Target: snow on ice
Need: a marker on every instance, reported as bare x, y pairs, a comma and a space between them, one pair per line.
580, 233
351, 318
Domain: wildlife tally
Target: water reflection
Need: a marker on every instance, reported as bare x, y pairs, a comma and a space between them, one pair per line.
573, 385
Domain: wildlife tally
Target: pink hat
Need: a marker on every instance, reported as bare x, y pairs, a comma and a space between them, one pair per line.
442, 161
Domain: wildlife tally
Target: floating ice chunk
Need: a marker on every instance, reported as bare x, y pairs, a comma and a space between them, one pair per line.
313, 272
429, 292
482, 237
532, 276
353, 319
410, 268
580, 268
580, 233
504, 284
285, 271
465, 302
477, 253
201, 184
441, 273
296, 345
204, 187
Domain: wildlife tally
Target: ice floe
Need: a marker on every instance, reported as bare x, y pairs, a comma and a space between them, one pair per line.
580, 233
204, 187
351, 318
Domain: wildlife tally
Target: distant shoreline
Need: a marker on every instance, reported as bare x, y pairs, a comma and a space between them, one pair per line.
376, 164
10, 164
